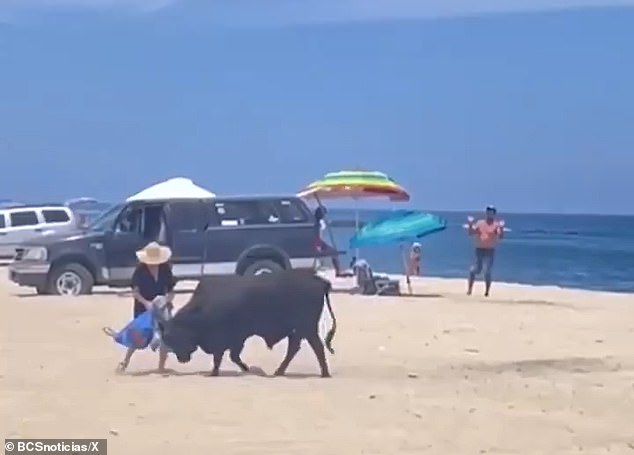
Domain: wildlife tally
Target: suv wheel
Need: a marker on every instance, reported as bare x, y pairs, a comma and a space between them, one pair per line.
263, 266
71, 279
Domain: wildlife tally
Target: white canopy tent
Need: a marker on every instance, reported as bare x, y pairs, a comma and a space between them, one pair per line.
175, 188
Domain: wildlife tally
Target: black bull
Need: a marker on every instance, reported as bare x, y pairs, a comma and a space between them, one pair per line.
225, 311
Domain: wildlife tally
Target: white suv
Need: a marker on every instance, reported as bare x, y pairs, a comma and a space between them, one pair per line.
19, 224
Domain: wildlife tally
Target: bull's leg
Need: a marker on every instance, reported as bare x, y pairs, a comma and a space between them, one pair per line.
218, 355
318, 348
294, 342
234, 355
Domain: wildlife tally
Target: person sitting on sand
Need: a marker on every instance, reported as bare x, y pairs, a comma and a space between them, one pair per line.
413, 260
487, 232
152, 278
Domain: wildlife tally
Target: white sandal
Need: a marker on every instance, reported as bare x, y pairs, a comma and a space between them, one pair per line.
108, 331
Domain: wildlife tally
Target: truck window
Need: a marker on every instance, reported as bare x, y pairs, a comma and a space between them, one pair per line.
186, 216
239, 213
26, 218
2, 223
147, 221
290, 211
55, 216
130, 220
104, 221
153, 223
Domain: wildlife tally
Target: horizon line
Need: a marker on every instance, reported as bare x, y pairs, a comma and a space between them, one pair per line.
366, 209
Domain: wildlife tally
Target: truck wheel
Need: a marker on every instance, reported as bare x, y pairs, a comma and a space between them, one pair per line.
71, 279
262, 266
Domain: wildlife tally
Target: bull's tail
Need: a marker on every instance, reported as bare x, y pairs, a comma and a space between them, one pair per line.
331, 333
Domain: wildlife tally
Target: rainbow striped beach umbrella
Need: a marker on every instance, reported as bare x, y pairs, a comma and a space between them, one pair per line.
355, 185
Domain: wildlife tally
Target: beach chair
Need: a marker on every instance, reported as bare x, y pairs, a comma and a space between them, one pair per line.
370, 284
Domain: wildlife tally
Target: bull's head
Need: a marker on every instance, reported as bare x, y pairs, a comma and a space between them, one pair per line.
180, 340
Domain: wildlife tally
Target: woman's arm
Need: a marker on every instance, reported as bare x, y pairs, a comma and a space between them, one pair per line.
137, 295
136, 289
171, 283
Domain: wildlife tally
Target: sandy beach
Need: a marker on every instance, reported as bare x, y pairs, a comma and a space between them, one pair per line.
528, 371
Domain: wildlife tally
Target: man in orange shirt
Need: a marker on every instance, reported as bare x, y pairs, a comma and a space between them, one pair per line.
486, 232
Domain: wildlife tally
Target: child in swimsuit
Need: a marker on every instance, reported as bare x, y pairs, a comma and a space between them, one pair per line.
413, 262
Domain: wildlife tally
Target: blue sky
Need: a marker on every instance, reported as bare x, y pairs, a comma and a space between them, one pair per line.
468, 103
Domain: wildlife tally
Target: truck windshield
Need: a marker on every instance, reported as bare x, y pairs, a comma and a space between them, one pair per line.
106, 220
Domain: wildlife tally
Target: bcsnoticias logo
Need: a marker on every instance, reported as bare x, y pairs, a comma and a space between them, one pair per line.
52, 446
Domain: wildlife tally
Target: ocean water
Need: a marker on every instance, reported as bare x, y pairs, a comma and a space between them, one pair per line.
578, 251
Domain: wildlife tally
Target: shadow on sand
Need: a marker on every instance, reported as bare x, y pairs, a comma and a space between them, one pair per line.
535, 367
530, 302
115, 292
404, 294
253, 371
424, 295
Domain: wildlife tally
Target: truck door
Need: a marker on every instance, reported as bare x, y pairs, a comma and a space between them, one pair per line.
186, 224
136, 226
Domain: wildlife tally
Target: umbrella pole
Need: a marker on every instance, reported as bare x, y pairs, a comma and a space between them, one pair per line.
320, 205
356, 224
356, 230
407, 277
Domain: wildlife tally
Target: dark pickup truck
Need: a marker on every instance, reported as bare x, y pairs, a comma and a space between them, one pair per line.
224, 235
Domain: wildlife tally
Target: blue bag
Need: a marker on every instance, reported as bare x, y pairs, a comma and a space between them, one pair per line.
137, 334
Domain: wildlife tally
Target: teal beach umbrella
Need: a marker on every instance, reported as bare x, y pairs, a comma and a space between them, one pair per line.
399, 227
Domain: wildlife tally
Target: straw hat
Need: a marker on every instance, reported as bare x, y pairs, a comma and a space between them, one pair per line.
154, 254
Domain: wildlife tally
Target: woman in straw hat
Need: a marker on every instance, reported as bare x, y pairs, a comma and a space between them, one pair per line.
152, 278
